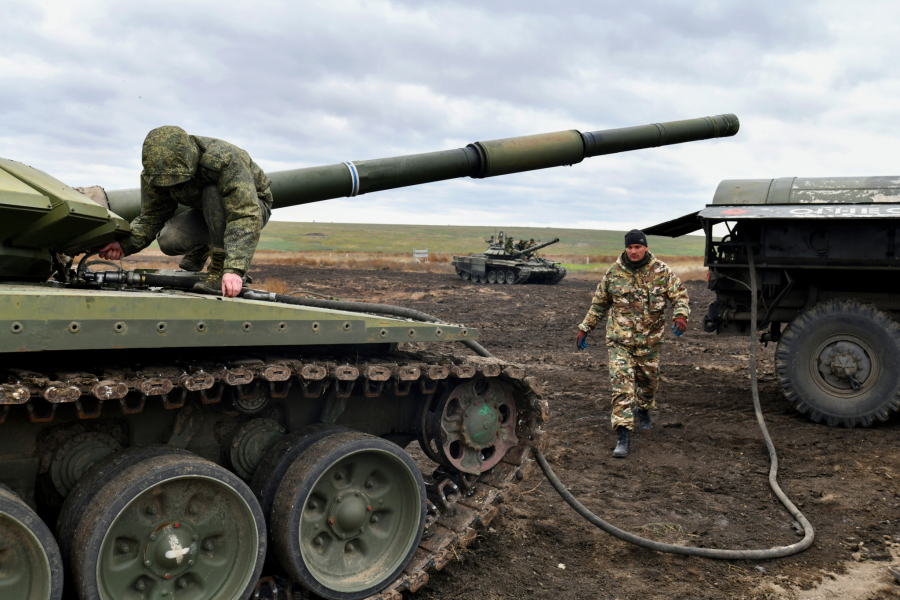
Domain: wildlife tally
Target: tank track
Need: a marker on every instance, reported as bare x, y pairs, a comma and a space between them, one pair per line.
458, 504
528, 275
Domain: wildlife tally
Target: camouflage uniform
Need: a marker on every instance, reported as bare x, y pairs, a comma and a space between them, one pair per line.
227, 194
635, 302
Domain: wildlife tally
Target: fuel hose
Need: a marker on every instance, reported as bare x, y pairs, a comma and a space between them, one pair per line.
779, 552
714, 553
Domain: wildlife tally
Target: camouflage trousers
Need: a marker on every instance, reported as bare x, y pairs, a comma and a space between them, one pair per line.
634, 381
196, 229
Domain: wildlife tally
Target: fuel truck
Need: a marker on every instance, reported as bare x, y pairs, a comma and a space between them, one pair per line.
161, 444
828, 265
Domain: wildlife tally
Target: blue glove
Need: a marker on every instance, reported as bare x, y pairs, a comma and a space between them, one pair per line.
679, 326
581, 340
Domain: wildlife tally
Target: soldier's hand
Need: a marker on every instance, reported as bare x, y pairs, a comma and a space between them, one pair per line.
231, 285
112, 251
581, 340
680, 324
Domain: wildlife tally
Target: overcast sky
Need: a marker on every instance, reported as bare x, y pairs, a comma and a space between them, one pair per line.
297, 84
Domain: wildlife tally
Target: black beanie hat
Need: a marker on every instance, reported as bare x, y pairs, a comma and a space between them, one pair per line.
635, 236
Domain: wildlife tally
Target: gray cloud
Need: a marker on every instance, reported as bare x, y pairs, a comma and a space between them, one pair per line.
301, 84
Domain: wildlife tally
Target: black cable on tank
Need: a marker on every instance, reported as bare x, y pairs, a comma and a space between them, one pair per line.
364, 307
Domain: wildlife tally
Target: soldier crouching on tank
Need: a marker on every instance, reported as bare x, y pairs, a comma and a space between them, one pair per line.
228, 201
633, 295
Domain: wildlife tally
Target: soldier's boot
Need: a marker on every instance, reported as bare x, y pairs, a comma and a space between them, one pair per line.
624, 437
194, 261
212, 283
643, 418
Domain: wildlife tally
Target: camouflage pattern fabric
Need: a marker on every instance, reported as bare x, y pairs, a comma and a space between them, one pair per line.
177, 167
634, 302
198, 230
634, 379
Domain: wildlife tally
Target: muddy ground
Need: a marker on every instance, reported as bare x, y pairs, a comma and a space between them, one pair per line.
699, 478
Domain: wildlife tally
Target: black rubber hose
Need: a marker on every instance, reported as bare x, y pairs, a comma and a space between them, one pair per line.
364, 307
782, 551
399, 311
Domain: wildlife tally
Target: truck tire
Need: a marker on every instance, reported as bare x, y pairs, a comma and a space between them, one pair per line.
840, 361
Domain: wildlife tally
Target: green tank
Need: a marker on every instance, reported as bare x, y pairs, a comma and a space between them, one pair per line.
156, 443
503, 263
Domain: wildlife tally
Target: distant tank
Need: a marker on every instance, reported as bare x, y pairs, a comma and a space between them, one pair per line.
503, 263
157, 443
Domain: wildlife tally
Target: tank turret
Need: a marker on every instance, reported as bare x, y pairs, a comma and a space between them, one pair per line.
532, 249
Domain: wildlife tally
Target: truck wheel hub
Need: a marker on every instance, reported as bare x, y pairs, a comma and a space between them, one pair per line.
845, 365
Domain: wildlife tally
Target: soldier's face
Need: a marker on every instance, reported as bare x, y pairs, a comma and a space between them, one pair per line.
635, 252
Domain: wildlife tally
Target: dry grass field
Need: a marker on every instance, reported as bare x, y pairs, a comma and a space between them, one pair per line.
589, 267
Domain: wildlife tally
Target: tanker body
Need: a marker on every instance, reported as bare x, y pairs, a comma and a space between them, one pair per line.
156, 443
828, 263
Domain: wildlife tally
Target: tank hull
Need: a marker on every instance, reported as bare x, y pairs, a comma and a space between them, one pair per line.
483, 269
225, 386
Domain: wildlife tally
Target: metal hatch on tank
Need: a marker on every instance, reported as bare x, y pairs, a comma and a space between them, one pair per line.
180, 445
828, 259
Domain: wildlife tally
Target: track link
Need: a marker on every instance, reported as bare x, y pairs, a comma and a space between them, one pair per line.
459, 504
476, 502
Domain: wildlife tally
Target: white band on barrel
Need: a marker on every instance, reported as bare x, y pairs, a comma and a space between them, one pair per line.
354, 178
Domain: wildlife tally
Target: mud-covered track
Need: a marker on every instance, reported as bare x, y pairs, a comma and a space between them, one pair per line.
458, 504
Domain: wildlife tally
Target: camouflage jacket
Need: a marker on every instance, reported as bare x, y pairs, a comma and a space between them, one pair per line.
635, 302
177, 167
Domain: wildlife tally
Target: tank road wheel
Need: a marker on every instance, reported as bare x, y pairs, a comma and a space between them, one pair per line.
510, 276
348, 515
30, 564
172, 525
279, 458
428, 422
466, 276
501, 277
479, 278
476, 425
492, 277
99, 475
840, 361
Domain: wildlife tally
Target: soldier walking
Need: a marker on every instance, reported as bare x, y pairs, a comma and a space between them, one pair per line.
228, 201
631, 300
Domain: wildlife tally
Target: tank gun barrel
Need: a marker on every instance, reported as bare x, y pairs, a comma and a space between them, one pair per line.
477, 160
519, 253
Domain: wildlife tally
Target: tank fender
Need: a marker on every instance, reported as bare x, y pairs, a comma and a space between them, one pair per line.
474, 265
